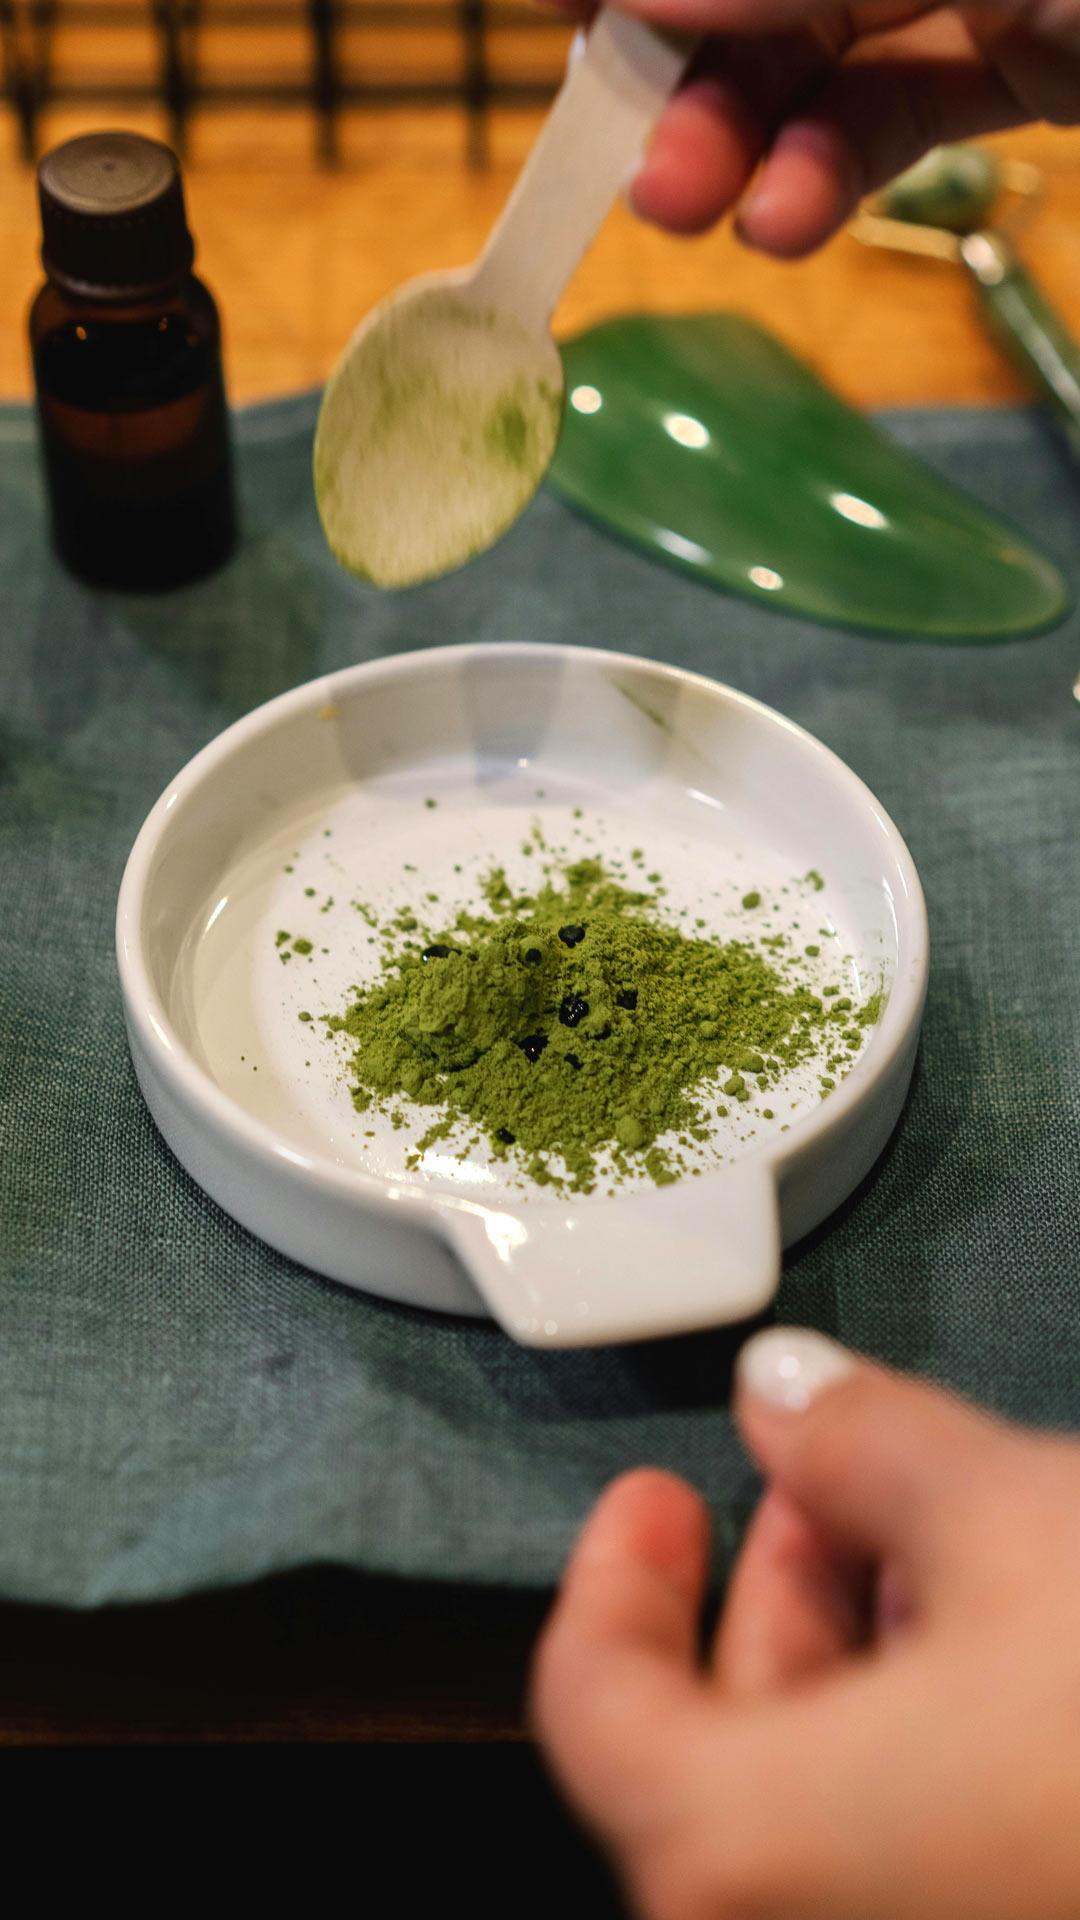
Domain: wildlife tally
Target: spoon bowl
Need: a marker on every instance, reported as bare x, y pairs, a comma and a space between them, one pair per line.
435, 432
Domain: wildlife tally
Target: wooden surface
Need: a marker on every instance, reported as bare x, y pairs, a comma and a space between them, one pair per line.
296, 255
320, 1655
412, 1693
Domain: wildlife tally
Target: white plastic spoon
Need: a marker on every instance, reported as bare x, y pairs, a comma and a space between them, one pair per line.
441, 417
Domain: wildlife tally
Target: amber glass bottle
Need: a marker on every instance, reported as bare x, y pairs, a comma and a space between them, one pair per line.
126, 346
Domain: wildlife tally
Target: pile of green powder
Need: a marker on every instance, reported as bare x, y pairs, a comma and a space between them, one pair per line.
578, 1022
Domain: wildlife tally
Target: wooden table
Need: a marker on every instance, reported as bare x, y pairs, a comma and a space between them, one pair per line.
318, 1655
295, 256
421, 1687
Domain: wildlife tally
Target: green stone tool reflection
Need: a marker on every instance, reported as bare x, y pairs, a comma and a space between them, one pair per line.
702, 440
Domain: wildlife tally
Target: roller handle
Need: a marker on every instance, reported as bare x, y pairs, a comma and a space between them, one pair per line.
1033, 334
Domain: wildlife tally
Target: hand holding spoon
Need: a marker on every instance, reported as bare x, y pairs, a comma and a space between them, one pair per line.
441, 417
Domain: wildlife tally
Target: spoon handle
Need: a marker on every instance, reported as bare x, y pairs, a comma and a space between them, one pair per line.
595, 131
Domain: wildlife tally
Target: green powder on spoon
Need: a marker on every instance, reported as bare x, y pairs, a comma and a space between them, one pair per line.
434, 434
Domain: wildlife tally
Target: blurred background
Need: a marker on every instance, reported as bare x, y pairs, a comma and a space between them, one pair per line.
334, 147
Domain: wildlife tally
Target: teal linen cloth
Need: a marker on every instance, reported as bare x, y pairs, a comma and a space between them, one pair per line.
180, 1407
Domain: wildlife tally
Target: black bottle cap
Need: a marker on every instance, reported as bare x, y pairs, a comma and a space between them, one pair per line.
112, 217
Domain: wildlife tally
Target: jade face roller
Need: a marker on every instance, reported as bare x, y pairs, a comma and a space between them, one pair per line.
961, 204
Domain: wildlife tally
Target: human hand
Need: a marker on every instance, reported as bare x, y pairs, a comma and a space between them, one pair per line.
831, 101
887, 1726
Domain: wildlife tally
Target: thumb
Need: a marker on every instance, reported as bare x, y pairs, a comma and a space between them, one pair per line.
887, 1468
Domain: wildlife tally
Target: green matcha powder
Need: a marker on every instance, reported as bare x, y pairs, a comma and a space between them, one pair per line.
578, 1024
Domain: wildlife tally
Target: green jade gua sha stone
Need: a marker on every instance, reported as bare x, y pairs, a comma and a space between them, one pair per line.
704, 441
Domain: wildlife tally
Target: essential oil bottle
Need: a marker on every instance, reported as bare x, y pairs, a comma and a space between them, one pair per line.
126, 346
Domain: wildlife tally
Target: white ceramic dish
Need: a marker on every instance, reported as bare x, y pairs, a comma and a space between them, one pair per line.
330, 788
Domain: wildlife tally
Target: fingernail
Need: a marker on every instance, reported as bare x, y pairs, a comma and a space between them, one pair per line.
787, 1367
760, 198
749, 208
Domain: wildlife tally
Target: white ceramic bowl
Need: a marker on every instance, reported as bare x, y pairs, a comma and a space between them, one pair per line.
330, 788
